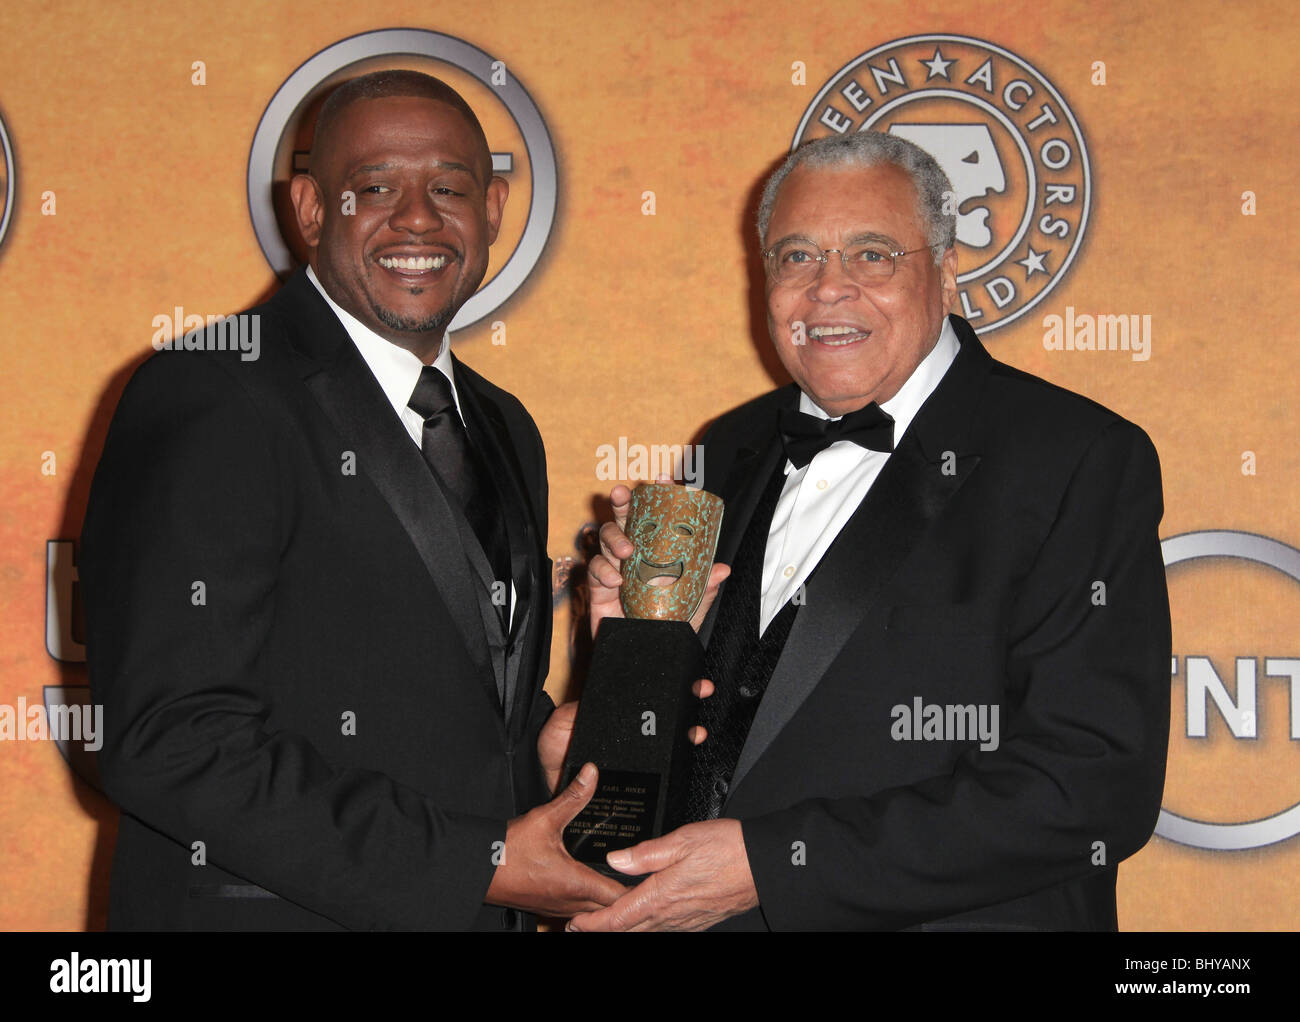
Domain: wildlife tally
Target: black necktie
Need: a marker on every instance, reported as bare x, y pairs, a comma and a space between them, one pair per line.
805, 436
447, 450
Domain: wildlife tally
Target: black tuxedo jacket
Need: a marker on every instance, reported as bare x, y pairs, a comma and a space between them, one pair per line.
1007, 555
288, 640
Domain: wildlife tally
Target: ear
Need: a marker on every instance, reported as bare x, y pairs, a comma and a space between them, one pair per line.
495, 200
308, 207
948, 279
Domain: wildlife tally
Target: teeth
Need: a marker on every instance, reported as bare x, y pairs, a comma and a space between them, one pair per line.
820, 333
413, 263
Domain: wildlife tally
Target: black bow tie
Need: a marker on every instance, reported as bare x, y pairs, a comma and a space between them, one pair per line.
805, 436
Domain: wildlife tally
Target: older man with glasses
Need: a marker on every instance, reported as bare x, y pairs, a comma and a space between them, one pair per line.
941, 659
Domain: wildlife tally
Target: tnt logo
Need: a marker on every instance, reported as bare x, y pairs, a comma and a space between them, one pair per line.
1009, 143
1235, 710
522, 152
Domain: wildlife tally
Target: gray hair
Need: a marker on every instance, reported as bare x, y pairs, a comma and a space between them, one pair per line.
865, 149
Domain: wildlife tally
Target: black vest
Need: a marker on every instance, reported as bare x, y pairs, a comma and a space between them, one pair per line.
740, 662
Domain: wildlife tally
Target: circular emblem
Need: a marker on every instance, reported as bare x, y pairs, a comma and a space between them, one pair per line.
1279, 826
1009, 143
6, 182
522, 152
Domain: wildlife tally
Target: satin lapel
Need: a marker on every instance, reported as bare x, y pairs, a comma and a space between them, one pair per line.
521, 522
934, 459
352, 399
746, 480
523, 529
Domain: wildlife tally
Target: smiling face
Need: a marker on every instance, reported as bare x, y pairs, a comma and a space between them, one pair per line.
675, 532
664, 546
859, 343
416, 247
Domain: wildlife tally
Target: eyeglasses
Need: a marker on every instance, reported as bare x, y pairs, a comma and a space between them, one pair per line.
796, 263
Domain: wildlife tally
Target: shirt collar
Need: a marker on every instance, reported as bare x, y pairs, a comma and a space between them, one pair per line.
396, 369
904, 405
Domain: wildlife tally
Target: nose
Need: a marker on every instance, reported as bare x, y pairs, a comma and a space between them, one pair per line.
832, 281
416, 212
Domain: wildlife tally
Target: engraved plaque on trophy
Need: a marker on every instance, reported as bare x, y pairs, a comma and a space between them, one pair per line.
637, 706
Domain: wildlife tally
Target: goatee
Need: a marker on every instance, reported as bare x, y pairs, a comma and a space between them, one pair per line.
412, 325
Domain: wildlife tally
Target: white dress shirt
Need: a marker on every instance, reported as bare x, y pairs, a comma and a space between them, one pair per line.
398, 371
819, 499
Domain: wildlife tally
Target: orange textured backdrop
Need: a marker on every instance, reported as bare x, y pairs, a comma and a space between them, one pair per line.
693, 101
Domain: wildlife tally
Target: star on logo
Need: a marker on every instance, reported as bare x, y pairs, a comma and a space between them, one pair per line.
1033, 263
937, 65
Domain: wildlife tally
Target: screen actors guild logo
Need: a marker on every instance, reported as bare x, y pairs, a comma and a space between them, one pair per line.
1009, 143
522, 150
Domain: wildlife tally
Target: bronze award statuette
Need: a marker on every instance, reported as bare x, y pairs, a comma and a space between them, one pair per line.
637, 706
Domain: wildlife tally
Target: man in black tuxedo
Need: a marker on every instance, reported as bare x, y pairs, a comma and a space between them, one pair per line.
942, 657
316, 585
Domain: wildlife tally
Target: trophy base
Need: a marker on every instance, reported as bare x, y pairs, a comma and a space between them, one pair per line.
619, 815
633, 722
